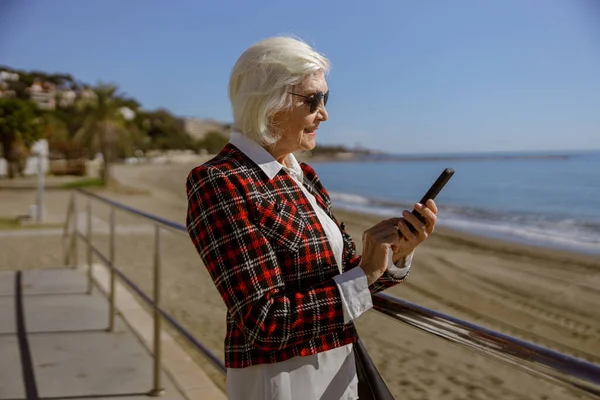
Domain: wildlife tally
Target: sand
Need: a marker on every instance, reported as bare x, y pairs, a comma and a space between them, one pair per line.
545, 296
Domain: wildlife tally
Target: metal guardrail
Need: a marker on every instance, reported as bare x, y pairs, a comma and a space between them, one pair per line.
70, 235
538, 361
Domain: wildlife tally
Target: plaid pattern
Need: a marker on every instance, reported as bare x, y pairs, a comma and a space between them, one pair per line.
269, 258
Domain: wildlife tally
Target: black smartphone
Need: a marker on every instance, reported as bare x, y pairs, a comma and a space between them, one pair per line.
433, 191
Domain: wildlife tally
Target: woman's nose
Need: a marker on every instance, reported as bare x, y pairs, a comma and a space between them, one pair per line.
323, 115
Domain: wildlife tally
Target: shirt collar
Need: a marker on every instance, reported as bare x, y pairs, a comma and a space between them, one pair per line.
261, 157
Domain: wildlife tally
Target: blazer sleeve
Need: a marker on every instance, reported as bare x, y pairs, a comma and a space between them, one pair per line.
245, 270
387, 280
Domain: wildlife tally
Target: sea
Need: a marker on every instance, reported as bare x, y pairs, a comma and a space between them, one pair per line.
543, 199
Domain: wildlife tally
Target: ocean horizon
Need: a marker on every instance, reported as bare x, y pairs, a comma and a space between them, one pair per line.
479, 154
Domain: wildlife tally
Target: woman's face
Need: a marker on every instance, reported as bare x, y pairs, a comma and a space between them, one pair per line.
297, 125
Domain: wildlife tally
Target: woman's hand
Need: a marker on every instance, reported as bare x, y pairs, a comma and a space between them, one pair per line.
409, 240
377, 241
395, 234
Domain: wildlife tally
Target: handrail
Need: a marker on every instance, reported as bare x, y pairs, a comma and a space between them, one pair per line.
165, 222
218, 363
158, 313
536, 360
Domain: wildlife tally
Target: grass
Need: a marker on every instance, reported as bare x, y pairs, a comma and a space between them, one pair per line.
83, 183
112, 185
14, 223
9, 223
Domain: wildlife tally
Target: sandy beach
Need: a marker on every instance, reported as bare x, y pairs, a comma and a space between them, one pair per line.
545, 296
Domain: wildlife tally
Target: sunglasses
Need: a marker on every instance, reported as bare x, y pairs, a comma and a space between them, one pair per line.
314, 100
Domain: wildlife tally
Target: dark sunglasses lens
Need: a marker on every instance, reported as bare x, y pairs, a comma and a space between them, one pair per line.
316, 101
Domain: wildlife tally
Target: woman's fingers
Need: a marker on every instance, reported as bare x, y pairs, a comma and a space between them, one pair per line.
391, 237
384, 232
406, 232
432, 206
377, 241
396, 233
407, 240
429, 214
387, 223
420, 227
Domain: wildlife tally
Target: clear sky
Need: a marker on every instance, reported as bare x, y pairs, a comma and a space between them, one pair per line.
408, 76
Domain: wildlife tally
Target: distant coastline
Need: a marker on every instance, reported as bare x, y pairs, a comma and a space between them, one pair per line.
361, 157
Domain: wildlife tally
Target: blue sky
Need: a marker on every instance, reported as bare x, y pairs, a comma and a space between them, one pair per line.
407, 77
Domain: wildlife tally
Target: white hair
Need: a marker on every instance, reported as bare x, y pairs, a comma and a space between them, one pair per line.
261, 79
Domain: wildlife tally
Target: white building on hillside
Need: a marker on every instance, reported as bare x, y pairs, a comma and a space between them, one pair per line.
43, 94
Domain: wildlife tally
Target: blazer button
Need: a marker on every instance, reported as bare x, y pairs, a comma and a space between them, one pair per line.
343, 226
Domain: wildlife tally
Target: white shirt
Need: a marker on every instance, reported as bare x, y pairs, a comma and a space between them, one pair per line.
329, 375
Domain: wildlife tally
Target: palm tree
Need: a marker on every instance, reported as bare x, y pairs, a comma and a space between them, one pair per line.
103, 126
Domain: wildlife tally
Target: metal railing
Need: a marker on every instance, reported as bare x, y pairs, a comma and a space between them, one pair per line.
70, 235
562, 369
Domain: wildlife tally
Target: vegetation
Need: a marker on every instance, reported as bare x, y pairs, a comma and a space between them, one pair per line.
212, 142
103, 124
83, 183
15, 223
163, 130
9, 223
83, 120
326, 150
19, 128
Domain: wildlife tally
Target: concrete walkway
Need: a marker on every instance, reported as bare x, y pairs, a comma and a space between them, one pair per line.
54, 343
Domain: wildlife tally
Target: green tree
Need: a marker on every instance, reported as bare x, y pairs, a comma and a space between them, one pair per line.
19, 126
103, 124
163, 130
213, 142
53, 126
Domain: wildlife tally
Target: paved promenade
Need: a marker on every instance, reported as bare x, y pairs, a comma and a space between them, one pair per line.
54, 343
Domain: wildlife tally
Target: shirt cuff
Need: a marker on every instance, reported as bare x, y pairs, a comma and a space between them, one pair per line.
399, 270
355, 293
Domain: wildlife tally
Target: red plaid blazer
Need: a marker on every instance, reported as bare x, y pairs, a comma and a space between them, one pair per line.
269, 258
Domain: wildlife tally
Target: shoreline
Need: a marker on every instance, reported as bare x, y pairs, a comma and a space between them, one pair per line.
488, 243
588, 250
489, 235
358, 157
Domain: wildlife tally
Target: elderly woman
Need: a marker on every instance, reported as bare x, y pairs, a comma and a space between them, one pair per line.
262, 223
